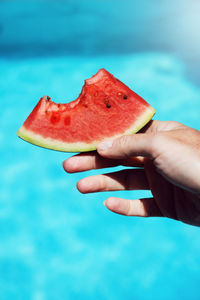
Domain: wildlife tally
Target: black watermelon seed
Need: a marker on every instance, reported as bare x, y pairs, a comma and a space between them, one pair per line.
107, 103
125, 97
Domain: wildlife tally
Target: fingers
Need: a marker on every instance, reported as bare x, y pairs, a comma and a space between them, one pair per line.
146, 207
128, 150
89, 161
146, 143
142, 144
116, 181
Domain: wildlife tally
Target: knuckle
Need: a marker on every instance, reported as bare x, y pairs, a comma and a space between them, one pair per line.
102, 183
123, 140
176, 123
122, 144
156, 142
129, 209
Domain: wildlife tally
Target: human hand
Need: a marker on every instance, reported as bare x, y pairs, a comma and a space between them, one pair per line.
168, 154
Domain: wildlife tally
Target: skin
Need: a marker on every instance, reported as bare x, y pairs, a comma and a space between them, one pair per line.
167, 160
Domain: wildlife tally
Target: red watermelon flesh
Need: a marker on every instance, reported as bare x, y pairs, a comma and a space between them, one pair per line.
105, 109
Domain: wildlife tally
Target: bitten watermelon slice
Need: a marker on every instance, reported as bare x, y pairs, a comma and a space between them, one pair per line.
105, 109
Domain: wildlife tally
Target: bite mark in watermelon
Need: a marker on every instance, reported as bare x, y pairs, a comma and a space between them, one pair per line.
105, 109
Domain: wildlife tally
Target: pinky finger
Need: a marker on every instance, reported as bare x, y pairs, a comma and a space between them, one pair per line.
145, 207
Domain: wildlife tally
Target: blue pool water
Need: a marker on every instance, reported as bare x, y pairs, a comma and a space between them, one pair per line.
56, 243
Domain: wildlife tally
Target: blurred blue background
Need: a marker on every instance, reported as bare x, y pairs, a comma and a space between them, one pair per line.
56, 243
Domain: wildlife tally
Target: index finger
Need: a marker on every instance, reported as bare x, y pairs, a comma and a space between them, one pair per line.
92, 160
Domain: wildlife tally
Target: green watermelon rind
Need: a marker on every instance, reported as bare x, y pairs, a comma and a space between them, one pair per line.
58, 145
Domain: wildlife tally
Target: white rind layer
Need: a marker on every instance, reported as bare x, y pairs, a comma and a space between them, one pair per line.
50, 143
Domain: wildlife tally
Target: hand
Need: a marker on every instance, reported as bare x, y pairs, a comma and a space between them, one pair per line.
168, 154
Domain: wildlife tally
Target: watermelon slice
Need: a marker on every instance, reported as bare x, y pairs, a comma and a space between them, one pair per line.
105, 109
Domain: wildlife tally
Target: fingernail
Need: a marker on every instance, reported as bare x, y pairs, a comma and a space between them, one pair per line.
105, 145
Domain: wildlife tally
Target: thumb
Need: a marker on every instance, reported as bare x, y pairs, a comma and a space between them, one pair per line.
141, 144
